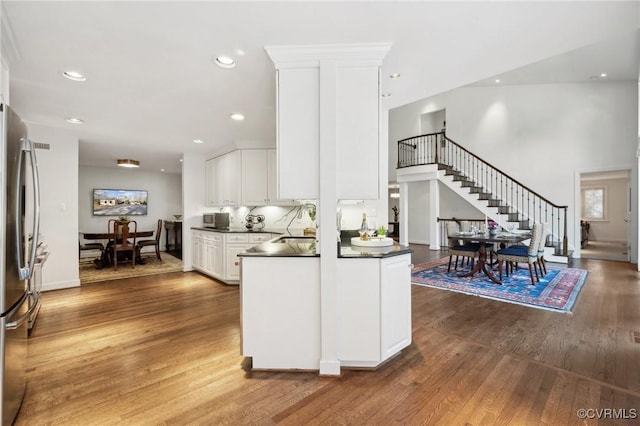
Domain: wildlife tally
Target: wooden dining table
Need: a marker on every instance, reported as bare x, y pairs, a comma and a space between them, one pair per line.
486, 240
105, 259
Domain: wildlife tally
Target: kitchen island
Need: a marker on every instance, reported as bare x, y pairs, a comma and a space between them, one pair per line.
280, 304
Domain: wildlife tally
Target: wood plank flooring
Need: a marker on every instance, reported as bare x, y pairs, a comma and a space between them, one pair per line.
164, 349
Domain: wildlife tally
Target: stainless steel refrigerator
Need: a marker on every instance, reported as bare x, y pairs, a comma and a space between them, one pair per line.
18, 243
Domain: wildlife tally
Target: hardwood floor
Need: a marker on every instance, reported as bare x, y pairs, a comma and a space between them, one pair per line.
164, 349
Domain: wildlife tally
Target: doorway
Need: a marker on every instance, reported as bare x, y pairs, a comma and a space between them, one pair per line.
432, 122
605, 212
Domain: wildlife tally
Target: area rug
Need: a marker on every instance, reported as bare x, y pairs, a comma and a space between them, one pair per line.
89, 274
557, 291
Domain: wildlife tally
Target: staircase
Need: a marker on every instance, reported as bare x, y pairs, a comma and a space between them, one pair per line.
499, 196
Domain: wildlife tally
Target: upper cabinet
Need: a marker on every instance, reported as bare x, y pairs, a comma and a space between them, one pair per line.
259, 178
223, 180
357, 129
328, 96
298, 133
244, 177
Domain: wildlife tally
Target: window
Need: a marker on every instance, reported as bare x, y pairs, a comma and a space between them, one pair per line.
594, 205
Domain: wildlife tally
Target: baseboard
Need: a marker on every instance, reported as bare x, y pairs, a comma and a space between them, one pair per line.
60, 285
422, 242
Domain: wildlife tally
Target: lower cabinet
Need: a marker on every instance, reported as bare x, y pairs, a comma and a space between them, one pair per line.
280, 312
375, 309
216, 254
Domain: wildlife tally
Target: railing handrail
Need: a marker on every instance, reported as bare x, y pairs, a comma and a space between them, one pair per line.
500, 171
422, 136
470, 169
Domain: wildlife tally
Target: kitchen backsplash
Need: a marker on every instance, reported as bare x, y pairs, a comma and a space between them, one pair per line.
297, 217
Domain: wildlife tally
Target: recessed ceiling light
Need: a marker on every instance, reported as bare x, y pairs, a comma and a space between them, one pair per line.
497, 80
385, 95
239, 52
603, 75
394, 76
225, 62
74, 75
74, 120
181, 160
198, 141
237, 117
162, 170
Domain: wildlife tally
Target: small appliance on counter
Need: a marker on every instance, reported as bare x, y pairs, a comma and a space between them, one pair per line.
215, 220
254, 222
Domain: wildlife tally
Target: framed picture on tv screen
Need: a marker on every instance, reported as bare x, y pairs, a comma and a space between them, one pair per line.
119, 202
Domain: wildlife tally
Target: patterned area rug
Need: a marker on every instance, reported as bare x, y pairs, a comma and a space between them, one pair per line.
89, 274
557, 291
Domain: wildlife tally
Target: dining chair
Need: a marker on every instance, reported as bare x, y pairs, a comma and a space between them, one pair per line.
457, 249
517, 255
88, 246
155, 242
120, 232
542, 264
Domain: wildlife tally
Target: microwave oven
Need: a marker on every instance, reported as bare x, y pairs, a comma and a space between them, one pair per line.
215, 220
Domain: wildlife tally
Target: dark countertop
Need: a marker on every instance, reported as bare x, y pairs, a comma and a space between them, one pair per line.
347, 251
308, 249
246, 231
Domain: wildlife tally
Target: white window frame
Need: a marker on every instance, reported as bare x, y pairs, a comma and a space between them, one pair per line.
605, 203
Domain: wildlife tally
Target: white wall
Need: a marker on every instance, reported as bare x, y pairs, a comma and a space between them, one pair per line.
193, 197
164, 191
540, 134
58, 168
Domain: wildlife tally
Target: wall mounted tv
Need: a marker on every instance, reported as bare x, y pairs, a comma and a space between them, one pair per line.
119, 202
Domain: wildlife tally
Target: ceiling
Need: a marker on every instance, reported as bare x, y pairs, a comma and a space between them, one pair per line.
152, 87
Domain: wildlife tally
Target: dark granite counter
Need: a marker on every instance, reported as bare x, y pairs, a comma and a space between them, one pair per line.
346, 250
307, 247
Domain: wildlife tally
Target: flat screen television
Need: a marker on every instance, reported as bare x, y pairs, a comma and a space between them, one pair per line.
119, 202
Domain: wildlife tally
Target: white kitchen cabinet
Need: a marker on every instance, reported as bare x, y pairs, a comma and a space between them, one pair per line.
210, 182
216, 254
298, 146
280, 312
395, 304
357, 128
223, 185
259, 178
375, 309
355, 111
272, 178
197, 250
255, 187
234, 244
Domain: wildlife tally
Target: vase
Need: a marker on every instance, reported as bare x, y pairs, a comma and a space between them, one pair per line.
493, 232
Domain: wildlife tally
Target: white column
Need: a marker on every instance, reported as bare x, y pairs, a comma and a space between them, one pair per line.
345, 78
329, 326
403, 205
434, 213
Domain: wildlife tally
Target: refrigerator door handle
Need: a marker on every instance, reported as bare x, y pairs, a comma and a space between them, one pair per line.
12, 325
26, 271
